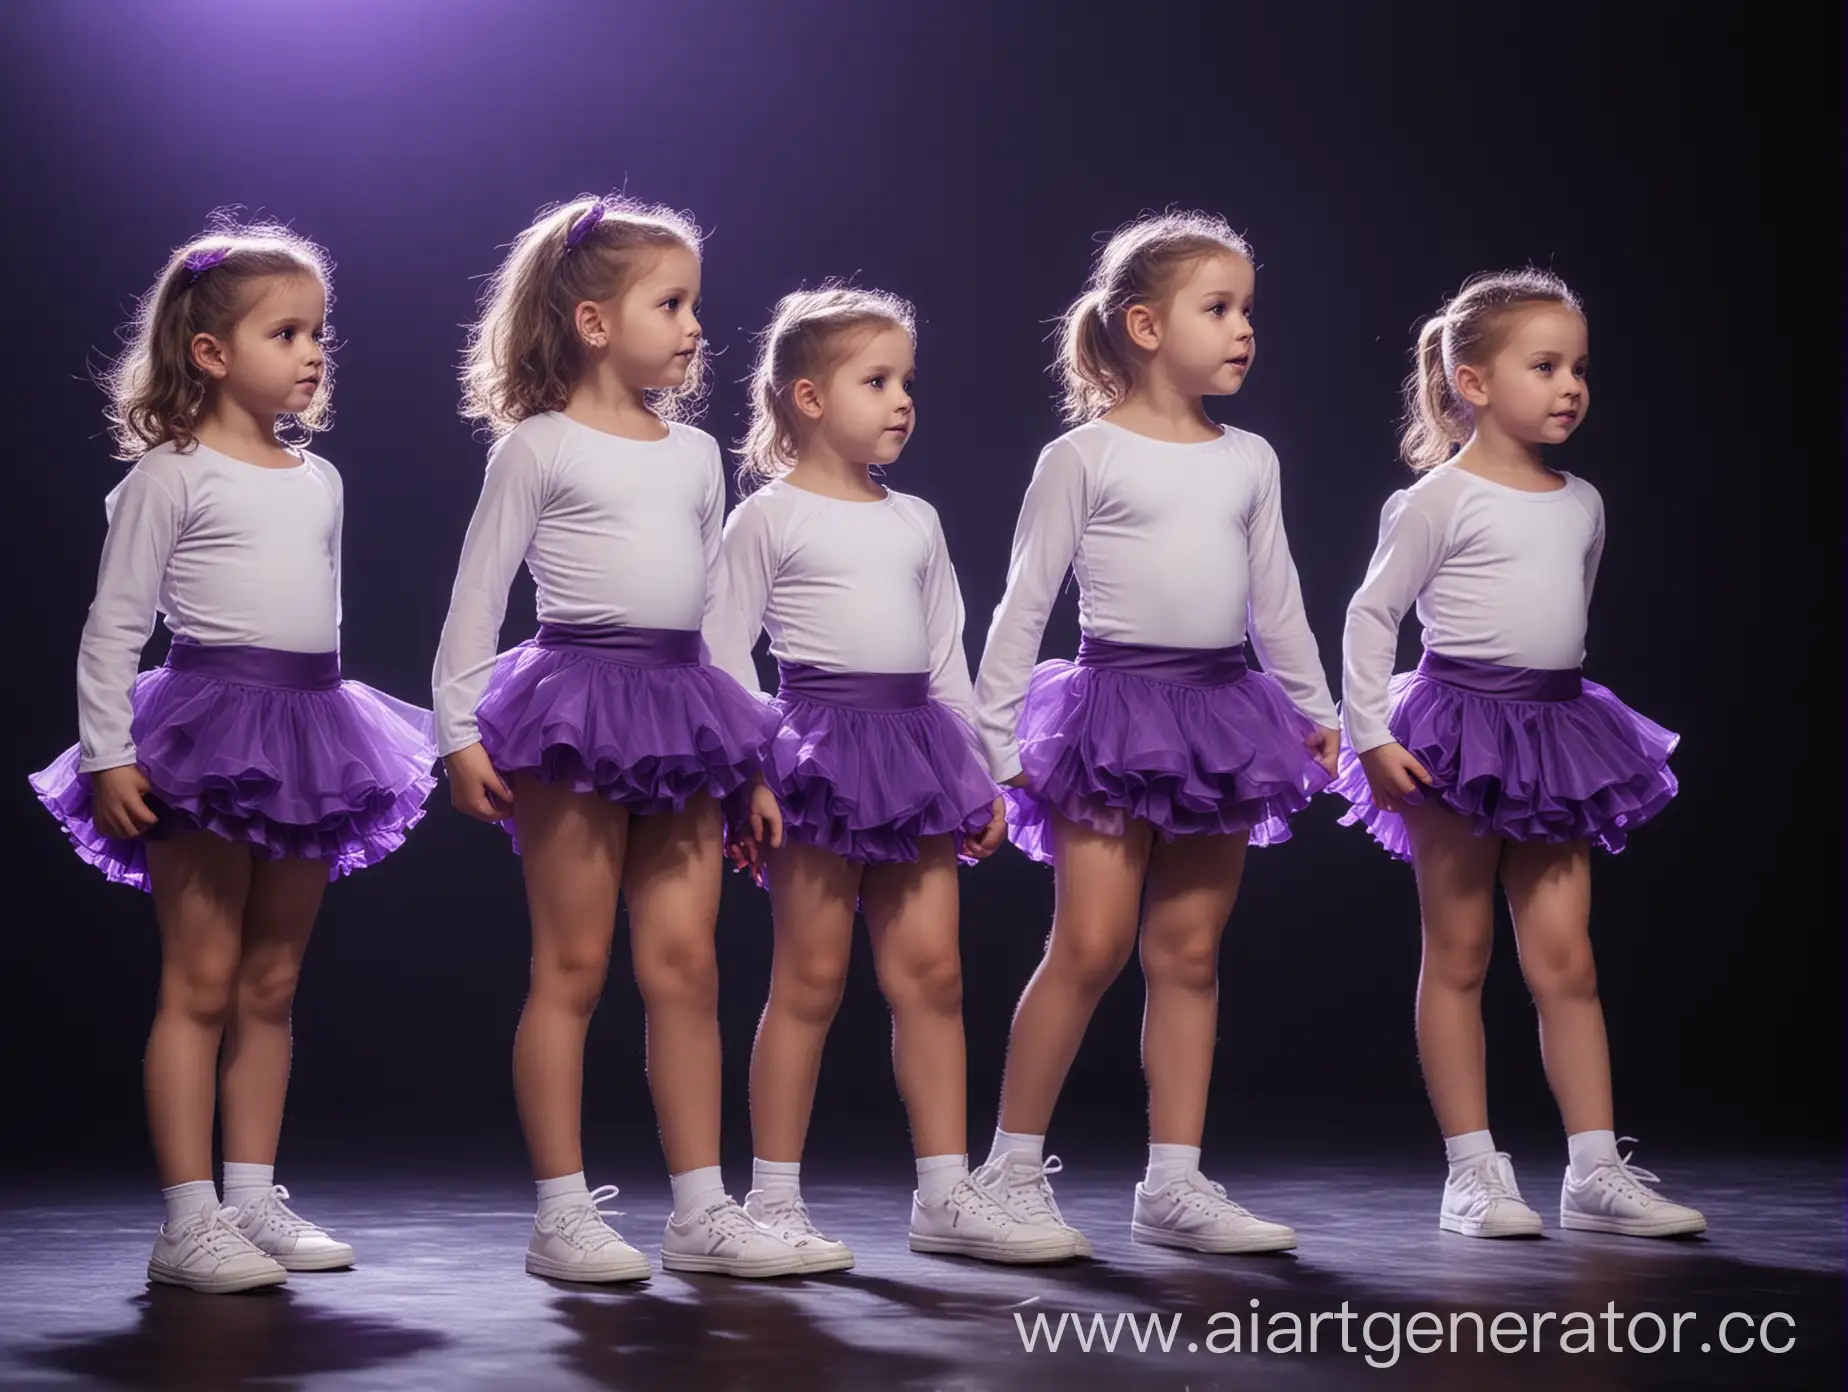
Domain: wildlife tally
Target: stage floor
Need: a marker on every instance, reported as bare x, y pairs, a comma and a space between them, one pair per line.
439, 1301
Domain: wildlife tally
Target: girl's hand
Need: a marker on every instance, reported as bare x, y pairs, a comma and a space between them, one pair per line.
1392, 775
118, 799
474, 786
1325, 747
988, 840
1019, 780
764, 822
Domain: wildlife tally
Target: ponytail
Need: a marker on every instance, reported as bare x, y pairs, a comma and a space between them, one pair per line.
1436, 422
1093, 362
809, 333
1467, 331
1139, 265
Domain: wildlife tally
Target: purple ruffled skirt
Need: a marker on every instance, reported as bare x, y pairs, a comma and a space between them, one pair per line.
1190, 741
629, 714
1522, 753
265, 747
864, 764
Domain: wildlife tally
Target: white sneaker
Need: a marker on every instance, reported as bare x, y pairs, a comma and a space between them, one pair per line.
285, 1236
208, 1253
1484, 1201
1617, 1199
973, 1222
721, 1240
1026, 1191
577, 1244
1194, 1214
789, 1219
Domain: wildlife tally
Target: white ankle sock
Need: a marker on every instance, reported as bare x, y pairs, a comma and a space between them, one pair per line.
1029, 1148
1467, 1148
563, 1192
1168, 1163
185, 1200
1590, 1151
937, 1175
696, 1189
778, 1179
245, 1182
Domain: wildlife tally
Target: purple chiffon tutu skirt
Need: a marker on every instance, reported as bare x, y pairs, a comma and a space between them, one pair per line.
1190, 741
265, 747
865, 764
1525, 754
629, 714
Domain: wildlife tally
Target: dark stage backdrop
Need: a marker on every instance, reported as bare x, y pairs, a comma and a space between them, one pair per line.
1680, 168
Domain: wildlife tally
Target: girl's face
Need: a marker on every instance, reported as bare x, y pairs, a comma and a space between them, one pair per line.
650, 332
1535, 386
864, 405
1202, 338
272, 361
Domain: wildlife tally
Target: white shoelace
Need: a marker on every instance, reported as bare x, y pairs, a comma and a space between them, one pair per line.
273, 1210
586, 1225
792, 1217
1032, 1198
974, 1197
1632, 1181
1492, 1182
1203, 1195
215, 1232
727, 1221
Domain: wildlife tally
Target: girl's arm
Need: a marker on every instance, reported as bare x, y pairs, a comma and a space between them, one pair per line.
1052, 518
338, 548
740, 592
1275, 620
144, 526
943, 626
1596, 552
1410, 549
498, 536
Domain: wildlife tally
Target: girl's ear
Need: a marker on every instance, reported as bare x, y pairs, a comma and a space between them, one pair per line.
593, 325
807, 398
1143, 328
208, 355
1472, 384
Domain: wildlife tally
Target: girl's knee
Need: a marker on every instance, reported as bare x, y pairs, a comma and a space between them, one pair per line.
680, 972
1190, 963
1090, 955
1457, 957
931, 983
1566, 973
268, 993
202, 989
808, 989
571, 977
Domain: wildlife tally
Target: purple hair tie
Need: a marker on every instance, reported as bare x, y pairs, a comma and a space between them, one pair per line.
202, 261
581, 228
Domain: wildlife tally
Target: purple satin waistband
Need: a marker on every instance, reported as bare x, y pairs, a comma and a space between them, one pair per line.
1502, 683
637, 647
253, 666
875, 691
1187, 666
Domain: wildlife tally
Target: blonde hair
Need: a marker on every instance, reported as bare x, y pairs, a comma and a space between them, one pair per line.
524, 355
810, 332
1138, 265
1469, 329
156, 392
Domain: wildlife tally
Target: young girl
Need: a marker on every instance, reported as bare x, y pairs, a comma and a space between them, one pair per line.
875, 773
1145, 768
235, 781
605, 743
1527, 764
